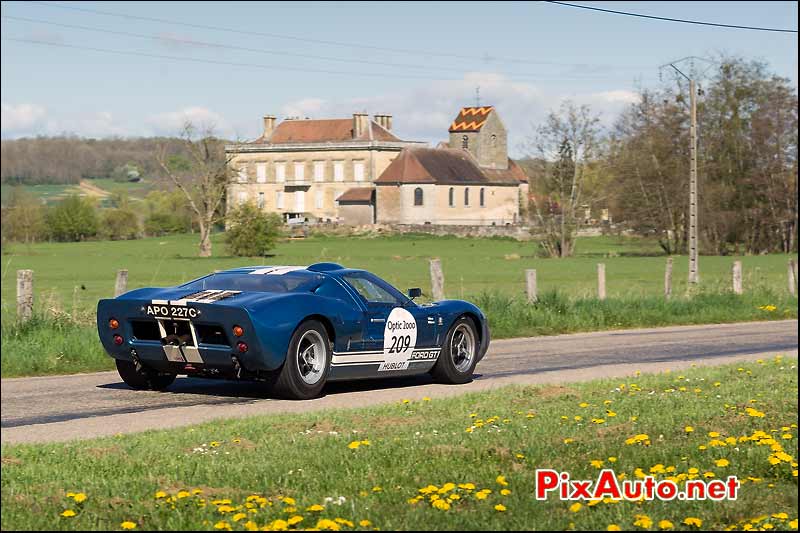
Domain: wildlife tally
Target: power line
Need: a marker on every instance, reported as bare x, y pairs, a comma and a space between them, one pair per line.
265, 51
418, 52
391, 75
668, 19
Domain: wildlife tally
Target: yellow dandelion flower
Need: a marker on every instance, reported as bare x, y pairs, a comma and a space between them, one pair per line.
505, 492
440, 504
283, 525
354, 445
183, 494
688, 429
613, 527
316, 508
238, 516
501, 480
575, 507
222, 525
665, 524
365, 523
500, 508
693, 521
597, 463
67, 513
79, 497
722, 462
128, 525
424, 399
569, 440
296, 519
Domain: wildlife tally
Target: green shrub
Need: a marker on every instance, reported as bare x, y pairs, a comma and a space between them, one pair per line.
119, 224
251, 232
72, 219
167, 213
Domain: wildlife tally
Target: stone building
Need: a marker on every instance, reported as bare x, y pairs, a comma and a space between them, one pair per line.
467, 181
300, 167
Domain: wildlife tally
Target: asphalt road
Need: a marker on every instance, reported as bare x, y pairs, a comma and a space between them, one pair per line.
60, 408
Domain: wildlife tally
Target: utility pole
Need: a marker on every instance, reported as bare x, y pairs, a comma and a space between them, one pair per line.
694, 274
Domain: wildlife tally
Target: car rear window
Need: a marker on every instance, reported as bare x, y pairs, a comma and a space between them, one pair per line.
298, 281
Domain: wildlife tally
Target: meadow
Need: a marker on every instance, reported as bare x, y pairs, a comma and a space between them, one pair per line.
70, 278
465, 462
76, 275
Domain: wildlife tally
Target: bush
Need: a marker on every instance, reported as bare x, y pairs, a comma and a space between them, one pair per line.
119, 224
167, 213
23, 218
72, 219
251, 232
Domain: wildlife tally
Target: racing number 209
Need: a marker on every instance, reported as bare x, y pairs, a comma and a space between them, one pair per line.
400, 344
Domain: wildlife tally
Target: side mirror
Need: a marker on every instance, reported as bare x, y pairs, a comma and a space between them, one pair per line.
414, 293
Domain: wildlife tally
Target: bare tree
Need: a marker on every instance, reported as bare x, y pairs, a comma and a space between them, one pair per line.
565, 146
201, 172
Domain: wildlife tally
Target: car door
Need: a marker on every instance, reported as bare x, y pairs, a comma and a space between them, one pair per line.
394, 327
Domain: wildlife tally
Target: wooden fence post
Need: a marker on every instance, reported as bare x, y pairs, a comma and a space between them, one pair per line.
601, 281
668, 279
437, 279
530, 282
24, 295
792, 277
122, 282
737, 277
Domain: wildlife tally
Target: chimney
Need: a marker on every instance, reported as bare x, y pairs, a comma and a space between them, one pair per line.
360, 124
269, 126
387, 122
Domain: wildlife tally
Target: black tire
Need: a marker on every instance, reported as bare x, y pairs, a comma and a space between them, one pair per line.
143, 379
292, 380
452, 367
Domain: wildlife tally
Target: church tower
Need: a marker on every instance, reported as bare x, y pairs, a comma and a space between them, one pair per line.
480, 131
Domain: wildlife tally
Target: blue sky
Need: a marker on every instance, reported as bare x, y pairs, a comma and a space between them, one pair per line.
418, 62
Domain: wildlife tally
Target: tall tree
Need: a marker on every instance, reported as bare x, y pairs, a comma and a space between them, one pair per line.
201, 175
565, 146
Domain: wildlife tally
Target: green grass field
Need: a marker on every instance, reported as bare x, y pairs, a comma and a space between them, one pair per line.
70, 275
51, 193
475, 454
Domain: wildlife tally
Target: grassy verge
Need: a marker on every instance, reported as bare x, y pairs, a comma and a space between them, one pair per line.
370, 464
63, 345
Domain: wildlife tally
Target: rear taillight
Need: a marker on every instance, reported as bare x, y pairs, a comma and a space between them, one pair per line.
113, 323
242, 347
238, 331
118, 340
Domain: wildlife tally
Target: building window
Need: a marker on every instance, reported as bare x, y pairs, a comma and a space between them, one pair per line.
243, 175
319, 171
242, 197
280, 172
418, 196
279, 200
338, 170
299, 172
318, 199
466, 197
261, 200
299, 201
464, 142
494, 140
482, 197
358, 170
451, 198
261, 173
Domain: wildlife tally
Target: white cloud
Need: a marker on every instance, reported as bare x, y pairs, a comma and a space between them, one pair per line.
172, 122
425, 112
21, 119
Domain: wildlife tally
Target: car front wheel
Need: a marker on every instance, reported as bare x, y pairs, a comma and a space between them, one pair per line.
459, 355
308, 361
143, 378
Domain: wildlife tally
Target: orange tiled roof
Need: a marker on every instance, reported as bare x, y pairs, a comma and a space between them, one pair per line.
471, 118
324, 130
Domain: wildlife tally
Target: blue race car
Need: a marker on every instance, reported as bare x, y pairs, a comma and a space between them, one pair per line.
294, 328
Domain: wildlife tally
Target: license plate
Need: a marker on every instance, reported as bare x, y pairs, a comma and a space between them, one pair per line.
171, 311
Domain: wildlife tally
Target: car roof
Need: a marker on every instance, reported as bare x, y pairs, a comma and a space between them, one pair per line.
317, 268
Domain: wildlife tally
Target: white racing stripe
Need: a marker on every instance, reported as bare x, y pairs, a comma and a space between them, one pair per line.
277, 270
377, 357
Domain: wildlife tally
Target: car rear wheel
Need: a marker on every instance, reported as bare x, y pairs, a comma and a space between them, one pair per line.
308, 362
459, 355
144, 378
